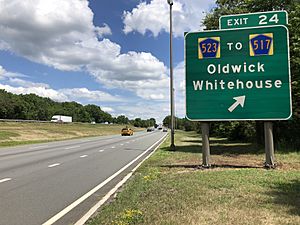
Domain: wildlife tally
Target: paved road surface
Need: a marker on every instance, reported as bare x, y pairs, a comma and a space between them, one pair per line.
38, 181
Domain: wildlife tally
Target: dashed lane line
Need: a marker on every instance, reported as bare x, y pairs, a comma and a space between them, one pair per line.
5, 179
57, 216
77, 146
53, 165
40, 146
83, 220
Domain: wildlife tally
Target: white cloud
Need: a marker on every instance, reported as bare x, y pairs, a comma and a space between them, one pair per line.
159, 109
144, 110
2, 71
103, 31
41, 91
154, 16
6, 74
12, 82
90, 96
107, 109
179, 83
25, 83
60, 95
61, 34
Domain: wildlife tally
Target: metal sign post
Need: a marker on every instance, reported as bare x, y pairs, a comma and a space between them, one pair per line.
269, 145
205, 145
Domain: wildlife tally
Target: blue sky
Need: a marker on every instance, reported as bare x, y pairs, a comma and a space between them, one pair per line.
114, 54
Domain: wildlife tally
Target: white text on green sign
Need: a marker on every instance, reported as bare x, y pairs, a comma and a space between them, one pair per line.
253, 20
250, 66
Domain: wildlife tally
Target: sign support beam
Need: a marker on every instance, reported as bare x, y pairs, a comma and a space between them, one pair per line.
269, 145
205, 145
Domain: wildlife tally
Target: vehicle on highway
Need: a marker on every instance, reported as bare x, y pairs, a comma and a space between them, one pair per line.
126, 131
165, 130
149, 129
61, 119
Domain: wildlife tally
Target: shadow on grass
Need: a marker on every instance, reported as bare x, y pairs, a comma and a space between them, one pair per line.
212, 140
288, 194
217, 148
213, 166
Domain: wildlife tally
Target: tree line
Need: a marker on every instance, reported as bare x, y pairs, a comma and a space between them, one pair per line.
34, 107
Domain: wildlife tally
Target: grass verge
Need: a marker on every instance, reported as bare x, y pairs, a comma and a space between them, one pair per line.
17, 133
170, 189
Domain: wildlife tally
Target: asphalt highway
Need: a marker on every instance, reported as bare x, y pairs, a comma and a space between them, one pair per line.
39, 181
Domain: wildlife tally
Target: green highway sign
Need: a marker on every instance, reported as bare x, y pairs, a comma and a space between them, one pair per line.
240, 74
253, 20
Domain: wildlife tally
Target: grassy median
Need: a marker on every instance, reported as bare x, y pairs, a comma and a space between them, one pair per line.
171, 189
16, 133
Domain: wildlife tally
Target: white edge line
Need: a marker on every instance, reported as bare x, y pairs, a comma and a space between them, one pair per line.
101, 150
53, 165
5, 179
83, 156
112, 191
88, 194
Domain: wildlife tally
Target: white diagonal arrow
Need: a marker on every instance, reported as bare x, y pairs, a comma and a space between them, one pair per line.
239, 100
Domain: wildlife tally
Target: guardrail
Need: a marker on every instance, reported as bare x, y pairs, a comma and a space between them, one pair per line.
26, 121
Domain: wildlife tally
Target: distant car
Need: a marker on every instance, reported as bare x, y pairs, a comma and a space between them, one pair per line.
150, 129
165, 130
93, 122
126, 131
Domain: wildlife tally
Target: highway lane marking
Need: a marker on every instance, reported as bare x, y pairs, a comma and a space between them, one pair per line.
127, 142
83, 156
112, 191
5, 179
101, 150
53, 165
113, 147
77, 146
121, 144
40, 146
88, 194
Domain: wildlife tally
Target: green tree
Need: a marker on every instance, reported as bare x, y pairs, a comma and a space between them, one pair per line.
94, 113
152, 122
137, 122
33, 107
122, 120
106, 117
